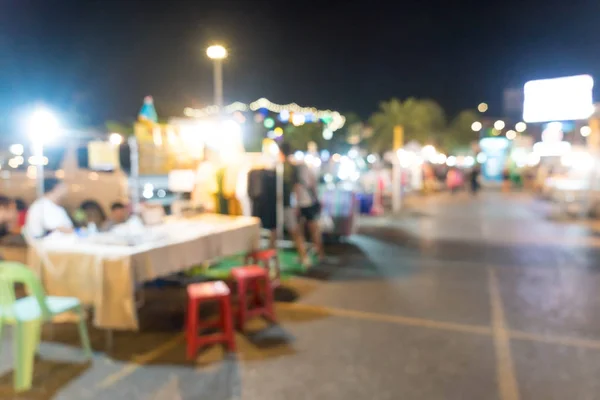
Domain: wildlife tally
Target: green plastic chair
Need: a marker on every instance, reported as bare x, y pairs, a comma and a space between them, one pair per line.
27, 314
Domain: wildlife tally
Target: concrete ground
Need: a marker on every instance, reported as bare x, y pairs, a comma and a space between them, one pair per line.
457, 298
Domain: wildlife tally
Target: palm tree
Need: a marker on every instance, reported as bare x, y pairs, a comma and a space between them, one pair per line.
423, 120
459, 134
118, 127
299, 136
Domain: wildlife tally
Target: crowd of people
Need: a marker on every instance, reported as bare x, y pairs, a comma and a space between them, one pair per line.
46, 215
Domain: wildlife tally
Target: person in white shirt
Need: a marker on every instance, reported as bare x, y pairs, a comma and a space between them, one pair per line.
45, 214
119, 214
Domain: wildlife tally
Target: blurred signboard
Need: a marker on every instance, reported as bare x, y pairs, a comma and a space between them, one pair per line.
102, 156
163, 148
558, 99
182, 180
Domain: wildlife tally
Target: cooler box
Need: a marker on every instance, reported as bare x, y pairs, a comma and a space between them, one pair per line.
365, 202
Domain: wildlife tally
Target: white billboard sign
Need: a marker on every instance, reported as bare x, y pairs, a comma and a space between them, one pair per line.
558, 99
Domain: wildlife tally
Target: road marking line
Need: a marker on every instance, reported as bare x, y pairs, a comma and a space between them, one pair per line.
558, 340
507, 382
395, 319
481, 330
139, 361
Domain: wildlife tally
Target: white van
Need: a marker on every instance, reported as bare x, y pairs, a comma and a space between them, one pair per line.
89, 188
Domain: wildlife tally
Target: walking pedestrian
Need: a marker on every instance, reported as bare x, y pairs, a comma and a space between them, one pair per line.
506, 181
475, 173
453, 180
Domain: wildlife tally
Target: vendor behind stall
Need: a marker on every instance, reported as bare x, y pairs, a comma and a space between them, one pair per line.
8, 216
118, 215
45, 215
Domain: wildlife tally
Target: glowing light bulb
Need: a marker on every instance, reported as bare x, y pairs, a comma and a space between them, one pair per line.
585, 131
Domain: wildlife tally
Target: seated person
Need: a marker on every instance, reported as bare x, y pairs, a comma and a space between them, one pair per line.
21, 213
45, 215
118, 215
92, 213
8, 216
12, 220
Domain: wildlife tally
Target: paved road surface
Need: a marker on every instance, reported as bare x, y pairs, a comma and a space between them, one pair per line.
459, 298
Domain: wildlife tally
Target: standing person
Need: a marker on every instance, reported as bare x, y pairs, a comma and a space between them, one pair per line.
291, 214
506, 180
45, 215
452, 180
475, 172
303, 206
310, 208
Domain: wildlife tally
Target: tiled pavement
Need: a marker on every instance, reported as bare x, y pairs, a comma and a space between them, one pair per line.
458, 298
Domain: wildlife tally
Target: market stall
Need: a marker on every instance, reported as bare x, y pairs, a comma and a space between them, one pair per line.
263, 119
103, 270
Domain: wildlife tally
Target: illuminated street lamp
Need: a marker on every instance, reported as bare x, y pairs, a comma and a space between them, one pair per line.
16, 149
476, 126
520, 127
115, 139
585, 131
42, 127
217, 53
482, 107
499, 125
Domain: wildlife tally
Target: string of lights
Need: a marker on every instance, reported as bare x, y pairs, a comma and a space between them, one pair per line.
333, 119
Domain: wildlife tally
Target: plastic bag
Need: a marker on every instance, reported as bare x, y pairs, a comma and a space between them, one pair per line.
326, 223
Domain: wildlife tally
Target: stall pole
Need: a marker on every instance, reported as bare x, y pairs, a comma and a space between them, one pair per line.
38, 151
593, 145
396, 186
588, 207
279, 200
134, 184
397, 169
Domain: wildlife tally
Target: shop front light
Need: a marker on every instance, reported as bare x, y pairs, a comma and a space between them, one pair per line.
148, 192
16, 149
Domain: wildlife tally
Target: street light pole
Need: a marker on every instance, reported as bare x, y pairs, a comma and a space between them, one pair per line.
217, 53
218, 82
42, 126
38, 154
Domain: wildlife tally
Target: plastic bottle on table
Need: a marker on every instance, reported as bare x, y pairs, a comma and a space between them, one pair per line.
92, 229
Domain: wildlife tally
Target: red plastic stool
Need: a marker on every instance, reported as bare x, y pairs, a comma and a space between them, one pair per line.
256, 278
264, 257
209, 291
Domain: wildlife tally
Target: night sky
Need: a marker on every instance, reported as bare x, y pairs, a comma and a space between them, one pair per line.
100, 58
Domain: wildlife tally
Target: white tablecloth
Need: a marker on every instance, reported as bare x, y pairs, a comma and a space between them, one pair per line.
105, 275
